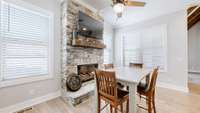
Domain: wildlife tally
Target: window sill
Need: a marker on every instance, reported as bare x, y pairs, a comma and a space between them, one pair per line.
19, 81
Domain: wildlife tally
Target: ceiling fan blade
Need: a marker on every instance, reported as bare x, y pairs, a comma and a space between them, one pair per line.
135, 3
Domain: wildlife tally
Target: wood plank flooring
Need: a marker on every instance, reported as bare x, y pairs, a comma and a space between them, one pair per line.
194, 88
167, 101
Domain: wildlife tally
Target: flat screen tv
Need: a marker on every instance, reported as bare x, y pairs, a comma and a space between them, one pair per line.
89, 27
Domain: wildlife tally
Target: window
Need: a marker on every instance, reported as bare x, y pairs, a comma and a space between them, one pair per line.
154, 45
132, 49
147, 46
108, 51
25, 42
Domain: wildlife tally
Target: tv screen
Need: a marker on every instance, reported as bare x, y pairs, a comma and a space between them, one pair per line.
89, 27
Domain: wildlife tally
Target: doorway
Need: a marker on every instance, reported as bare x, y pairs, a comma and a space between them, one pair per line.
194, 49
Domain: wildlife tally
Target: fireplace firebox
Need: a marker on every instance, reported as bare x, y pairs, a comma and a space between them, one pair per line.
87, 71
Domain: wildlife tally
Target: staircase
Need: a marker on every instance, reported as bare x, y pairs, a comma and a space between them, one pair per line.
193, 15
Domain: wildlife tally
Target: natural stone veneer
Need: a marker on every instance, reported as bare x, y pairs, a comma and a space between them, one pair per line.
73, 56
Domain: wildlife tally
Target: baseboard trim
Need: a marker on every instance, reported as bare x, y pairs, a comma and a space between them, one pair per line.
29, 103
173, 87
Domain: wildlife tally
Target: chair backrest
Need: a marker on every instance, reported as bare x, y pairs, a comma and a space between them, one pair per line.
136, 65
106, 84
108, 66
153, 79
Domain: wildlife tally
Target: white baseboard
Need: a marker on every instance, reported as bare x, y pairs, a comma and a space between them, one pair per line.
173, 87
29, 103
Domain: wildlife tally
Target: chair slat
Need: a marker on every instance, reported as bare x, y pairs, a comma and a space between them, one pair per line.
107, 90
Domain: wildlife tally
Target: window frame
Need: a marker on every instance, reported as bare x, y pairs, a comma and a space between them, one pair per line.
164, 29
39, 11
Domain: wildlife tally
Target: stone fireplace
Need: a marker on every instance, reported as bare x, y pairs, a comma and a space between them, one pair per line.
87, 71
80, 61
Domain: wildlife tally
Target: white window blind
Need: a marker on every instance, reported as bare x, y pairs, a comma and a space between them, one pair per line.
154, 46
24, 42
147, 46
132, 49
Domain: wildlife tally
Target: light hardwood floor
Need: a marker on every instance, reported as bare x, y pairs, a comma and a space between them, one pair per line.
167, 101
194, 88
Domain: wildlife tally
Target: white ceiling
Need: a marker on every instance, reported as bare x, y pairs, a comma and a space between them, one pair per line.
131, 15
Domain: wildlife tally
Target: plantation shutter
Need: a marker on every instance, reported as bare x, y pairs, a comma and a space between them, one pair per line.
132, 49
24, 42
154, 47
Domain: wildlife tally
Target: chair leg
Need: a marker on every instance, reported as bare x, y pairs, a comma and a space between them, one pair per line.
99, 105
111, 109
154, 106
147, 101
127, 106
121, 107
149, 105
115, 109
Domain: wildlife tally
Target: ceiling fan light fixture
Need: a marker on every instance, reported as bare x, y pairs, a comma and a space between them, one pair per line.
118, 8
119, 15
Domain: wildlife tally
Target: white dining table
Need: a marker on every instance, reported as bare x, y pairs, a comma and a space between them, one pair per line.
129, 77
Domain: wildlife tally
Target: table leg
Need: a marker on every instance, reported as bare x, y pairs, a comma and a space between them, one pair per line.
132, 98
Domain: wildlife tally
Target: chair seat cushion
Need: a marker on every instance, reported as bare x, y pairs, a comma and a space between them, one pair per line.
122, 94
120, 85
142, 86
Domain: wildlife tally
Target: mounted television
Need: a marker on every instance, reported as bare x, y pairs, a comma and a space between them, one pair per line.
90, 27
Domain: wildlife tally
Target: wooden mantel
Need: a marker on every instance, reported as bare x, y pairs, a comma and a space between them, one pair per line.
193, 16
87, 42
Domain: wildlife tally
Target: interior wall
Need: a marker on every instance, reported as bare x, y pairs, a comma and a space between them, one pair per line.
108, 36
20, 93
193, 48
177, 58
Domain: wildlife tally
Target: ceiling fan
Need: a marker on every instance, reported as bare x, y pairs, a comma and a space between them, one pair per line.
118, 5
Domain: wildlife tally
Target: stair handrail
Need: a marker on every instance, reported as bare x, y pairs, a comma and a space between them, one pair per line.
198, 6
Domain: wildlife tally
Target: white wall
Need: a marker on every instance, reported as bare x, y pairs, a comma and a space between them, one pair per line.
20, 93
108, 30
176, 75
193, 48
108, 36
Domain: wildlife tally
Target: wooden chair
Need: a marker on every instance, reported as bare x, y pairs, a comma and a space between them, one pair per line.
111, 66
147, 90
107, 90
136, 65
108, 66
